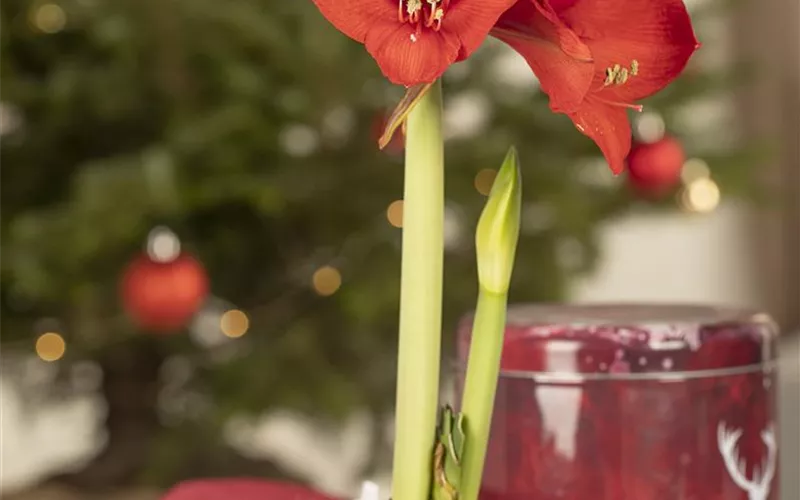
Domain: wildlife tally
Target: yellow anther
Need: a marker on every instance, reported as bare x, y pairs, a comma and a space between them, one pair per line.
413, 6
618, 74
622, 76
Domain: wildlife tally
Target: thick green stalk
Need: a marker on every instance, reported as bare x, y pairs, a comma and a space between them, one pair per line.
483, 367
420, 300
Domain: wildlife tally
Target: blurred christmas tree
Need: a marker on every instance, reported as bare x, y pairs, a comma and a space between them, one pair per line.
249, 128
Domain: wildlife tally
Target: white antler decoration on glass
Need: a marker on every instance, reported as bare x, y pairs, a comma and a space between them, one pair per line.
758, 487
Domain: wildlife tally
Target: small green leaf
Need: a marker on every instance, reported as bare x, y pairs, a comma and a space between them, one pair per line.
447, 455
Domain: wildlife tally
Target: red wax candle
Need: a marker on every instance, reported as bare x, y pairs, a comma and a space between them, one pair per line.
633, 403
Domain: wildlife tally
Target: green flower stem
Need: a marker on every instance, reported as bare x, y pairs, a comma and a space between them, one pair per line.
483, 368
496, 245
420, 300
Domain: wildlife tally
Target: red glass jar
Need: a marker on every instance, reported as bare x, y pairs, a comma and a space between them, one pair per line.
633, 403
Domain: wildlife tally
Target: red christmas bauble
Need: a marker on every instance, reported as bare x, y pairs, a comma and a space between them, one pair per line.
655, 168
163, 296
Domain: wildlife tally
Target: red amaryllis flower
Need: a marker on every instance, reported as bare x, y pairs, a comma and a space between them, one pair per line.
596, 58
415, 41
241, 489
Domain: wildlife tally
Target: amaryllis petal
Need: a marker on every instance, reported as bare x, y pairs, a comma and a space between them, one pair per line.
241, 489
650, 41
609, 127
355, 18
415, 41
536, 19
409, 58
559, 59
472, 20
561, 5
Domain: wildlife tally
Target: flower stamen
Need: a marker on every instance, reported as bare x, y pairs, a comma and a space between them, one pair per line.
618, 74
434, 19
414, 12
413, 8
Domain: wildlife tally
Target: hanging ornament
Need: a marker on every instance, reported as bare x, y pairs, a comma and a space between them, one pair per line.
654, 169
163, 288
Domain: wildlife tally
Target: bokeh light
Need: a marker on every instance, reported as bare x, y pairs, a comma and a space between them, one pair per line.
49, 18
326, 280
163, 245
694, 169
299, 140
701, 196
10, 119
395, 213
50, 346
650, 127
484, 180
234, 323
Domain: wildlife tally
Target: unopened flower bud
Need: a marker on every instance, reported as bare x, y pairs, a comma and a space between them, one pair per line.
498, 228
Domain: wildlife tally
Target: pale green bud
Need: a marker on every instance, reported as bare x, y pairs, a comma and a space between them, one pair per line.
498, 228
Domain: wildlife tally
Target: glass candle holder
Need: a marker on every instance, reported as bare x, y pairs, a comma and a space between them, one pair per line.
633, 403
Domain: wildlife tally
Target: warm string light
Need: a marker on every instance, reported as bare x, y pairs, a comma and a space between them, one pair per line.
326, 280
394, 214
700, 194
484, 180
234, 323
49, 18
50, 346
694, 169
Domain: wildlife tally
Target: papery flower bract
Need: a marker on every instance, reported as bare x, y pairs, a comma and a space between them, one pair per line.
415, 41
241, 489
596, 58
